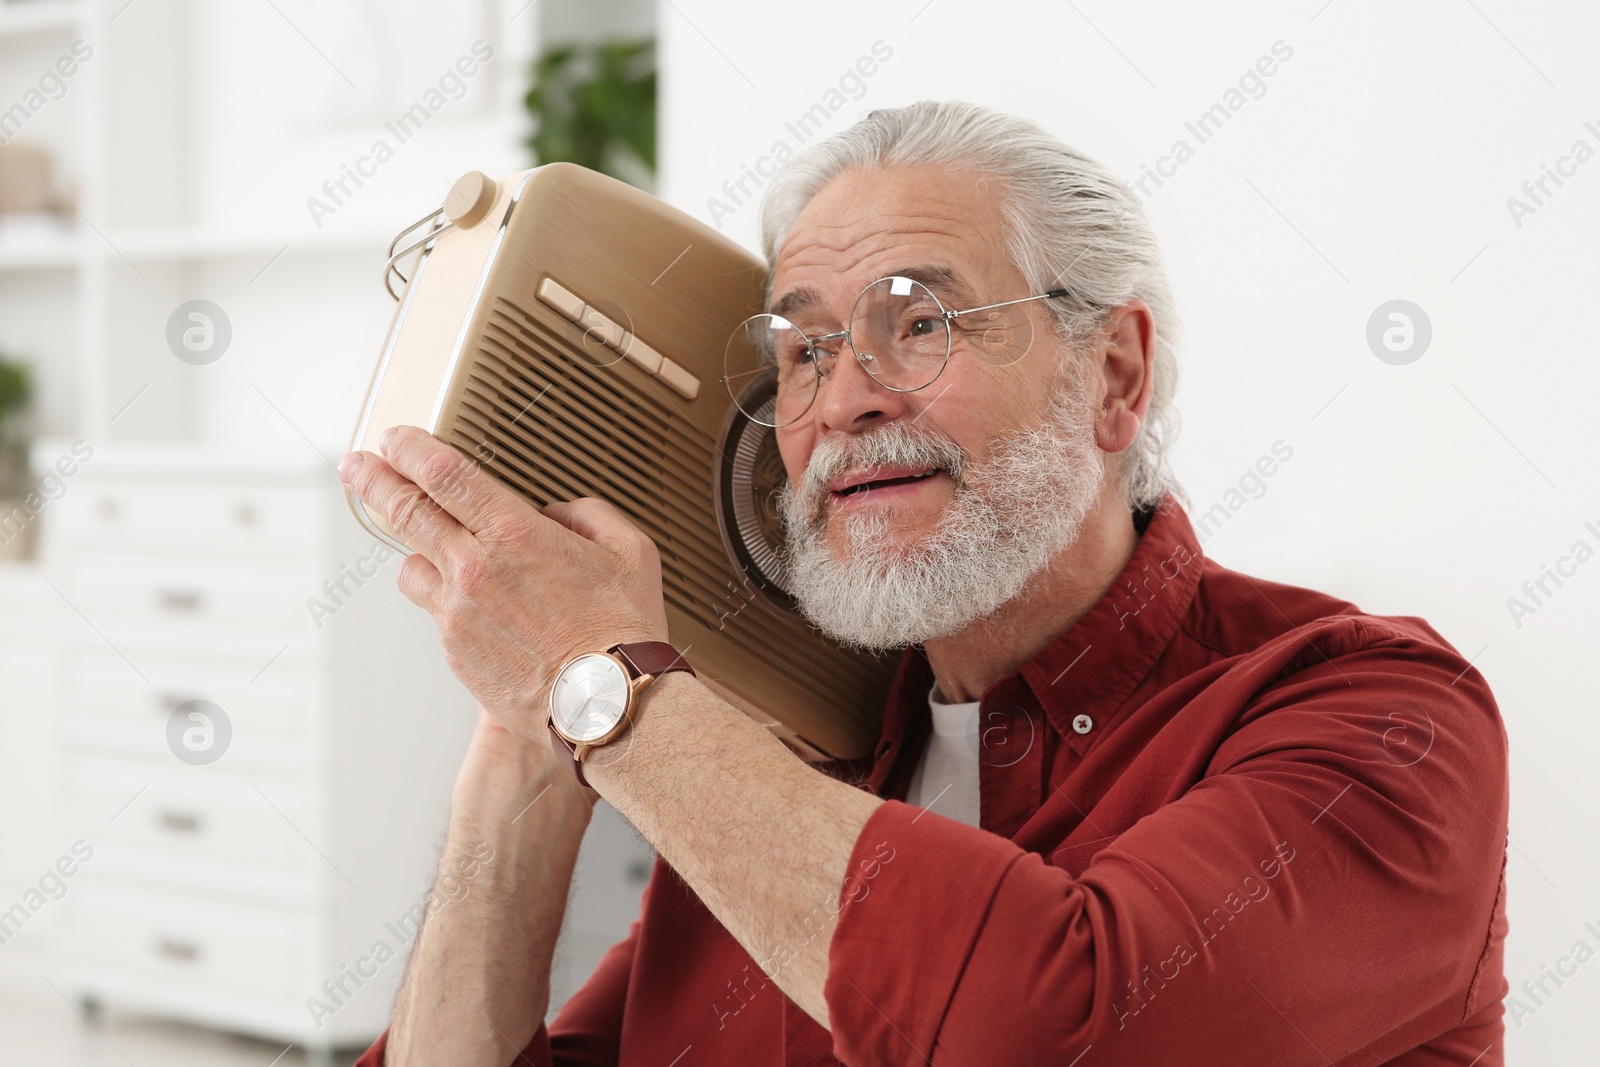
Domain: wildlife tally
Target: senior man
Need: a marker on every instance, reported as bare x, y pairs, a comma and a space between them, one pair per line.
1128, 807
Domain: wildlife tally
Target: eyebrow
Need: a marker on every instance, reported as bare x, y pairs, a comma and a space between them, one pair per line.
944, 281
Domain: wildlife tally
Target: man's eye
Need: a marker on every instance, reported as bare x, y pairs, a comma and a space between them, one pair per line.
924, 327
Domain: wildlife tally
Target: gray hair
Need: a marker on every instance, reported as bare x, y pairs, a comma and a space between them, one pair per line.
1072, 224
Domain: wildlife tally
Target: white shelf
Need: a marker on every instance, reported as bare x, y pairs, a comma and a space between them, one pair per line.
40, 255
178, 245
158, 221
153, 460
195, 243
24, 18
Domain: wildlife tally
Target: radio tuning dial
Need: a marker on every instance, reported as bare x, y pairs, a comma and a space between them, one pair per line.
470, 198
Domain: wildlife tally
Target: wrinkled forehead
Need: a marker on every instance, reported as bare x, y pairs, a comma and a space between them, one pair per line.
938, 226
945, 282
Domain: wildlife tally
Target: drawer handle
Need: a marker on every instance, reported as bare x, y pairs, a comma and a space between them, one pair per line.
180, 822
245, 514
182, 951
167, 703
179, 599
109, 508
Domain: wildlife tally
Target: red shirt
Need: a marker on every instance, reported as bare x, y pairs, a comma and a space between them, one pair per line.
1224, 821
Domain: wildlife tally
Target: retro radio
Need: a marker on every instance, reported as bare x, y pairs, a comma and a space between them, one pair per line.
568, 332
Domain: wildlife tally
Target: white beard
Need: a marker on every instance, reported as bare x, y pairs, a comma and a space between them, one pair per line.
1008, 519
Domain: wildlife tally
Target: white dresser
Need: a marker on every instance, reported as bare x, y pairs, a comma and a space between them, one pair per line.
251, 892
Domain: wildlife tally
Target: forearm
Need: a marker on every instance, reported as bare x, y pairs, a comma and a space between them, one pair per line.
764, 840
478, 981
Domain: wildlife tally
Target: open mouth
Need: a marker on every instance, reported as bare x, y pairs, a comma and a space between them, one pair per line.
885, 486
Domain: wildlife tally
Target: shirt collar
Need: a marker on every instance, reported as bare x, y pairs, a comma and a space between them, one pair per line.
1097, 663
1091, 668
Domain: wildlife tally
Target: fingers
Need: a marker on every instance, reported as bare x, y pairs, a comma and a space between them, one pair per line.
413, 515
454, 481
598, 520
420, 581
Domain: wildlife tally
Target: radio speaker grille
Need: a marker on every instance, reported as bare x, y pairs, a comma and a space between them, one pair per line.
554, 426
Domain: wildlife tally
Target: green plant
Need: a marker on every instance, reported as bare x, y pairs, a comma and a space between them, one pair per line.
595, 105
16, 390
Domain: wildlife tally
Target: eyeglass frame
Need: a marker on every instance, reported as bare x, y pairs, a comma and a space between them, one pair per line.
945, 315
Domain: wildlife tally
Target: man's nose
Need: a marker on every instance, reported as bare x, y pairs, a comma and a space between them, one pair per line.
849, 397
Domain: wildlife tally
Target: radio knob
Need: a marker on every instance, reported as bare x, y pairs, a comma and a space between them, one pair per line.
470, 198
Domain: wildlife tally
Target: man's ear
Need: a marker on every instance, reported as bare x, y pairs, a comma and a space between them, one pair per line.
1123, 373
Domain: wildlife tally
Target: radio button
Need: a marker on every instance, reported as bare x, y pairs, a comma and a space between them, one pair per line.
640, 354
561, 298
678, 380
595, 324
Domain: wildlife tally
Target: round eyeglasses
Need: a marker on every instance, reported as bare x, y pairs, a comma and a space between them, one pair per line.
898, 330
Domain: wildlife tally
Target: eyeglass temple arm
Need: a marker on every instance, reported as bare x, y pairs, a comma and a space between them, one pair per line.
967, 311
1008, 303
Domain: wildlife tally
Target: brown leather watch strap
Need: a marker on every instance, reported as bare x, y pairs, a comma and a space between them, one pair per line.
654, 658
572, 752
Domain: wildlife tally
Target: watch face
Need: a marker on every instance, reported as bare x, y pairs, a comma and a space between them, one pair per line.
589, 698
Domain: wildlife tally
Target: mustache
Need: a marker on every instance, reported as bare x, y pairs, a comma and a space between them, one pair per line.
893, 444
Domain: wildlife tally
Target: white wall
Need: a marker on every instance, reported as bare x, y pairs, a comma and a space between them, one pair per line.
1376, 165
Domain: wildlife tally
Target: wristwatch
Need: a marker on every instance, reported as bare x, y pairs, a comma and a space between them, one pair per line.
596, 695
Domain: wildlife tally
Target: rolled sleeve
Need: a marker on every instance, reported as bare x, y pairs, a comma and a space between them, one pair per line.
914, 878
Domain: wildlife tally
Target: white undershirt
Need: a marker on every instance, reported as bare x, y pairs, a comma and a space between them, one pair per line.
946, 779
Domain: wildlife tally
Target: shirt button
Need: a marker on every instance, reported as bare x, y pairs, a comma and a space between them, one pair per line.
1082, 724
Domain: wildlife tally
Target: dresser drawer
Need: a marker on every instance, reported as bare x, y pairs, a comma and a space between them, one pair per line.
201, 517
199, 826
272, 713
189, 944
194, 592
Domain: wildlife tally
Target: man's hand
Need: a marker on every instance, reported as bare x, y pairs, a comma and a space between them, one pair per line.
515, 592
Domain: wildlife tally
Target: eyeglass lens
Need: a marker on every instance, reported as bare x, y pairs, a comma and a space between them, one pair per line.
899, 333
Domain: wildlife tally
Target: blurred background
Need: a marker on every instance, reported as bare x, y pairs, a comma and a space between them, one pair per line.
1374, 217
